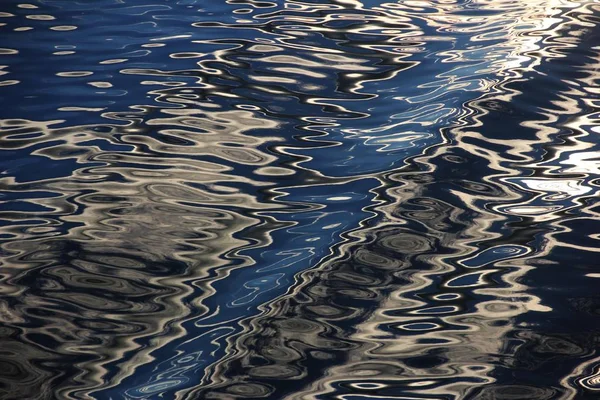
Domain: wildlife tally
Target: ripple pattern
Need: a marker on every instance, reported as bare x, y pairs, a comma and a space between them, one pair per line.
299, 199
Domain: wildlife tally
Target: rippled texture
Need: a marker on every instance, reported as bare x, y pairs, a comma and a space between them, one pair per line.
299, 199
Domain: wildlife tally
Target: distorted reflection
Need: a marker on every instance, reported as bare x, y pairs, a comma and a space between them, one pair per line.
301, 199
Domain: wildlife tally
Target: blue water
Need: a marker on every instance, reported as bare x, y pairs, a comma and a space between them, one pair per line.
298, 199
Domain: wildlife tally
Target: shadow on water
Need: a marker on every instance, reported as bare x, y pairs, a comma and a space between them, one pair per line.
298, 200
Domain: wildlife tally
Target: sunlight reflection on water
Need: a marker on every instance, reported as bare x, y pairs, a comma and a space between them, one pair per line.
299, 199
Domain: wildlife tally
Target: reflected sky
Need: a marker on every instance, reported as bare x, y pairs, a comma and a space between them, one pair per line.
299, 199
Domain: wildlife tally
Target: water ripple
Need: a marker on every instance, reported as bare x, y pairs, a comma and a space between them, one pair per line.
299, 199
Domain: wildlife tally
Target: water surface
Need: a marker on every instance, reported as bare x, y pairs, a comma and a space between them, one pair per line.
299, 199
